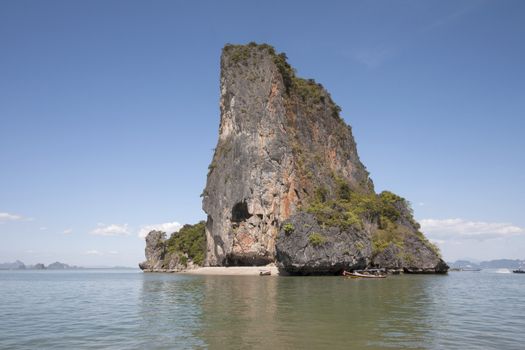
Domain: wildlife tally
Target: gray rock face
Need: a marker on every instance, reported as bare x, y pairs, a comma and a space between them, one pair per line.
390, 258
414, 257
304, 247
414, 254
155, 251
279, 138
283, 147
160, 259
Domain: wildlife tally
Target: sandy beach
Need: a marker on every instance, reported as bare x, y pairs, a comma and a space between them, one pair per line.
233, 270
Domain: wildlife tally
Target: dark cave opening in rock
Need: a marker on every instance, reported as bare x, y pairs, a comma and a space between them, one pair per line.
247, 260
240, 212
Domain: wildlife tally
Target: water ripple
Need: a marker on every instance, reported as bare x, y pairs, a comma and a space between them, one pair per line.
123, 310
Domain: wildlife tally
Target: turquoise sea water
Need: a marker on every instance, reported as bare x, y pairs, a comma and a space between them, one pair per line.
130, 310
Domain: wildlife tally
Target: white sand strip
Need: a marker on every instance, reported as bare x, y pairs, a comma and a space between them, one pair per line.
233, 270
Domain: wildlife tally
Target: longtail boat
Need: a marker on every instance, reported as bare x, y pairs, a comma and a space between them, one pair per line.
362, 275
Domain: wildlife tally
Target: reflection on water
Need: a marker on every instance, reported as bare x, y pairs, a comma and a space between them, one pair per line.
314, 312
240, 310
82, 310
170, 311
404, 312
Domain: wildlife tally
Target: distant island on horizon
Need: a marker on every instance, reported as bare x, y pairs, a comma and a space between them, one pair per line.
458, 264
19, 265
490, 264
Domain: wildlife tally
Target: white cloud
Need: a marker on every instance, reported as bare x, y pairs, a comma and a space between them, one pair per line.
464, 229
43, 228
4, 217
93, 252
168, 227
437, 241
111, 230
68, 231
113, 252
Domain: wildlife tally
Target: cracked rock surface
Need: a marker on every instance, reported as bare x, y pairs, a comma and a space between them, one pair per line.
337, 249
275, 147
281, 141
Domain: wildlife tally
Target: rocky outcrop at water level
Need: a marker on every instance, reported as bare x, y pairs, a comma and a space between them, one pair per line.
286, 184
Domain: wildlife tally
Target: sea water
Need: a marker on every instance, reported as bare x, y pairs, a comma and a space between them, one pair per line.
100, 309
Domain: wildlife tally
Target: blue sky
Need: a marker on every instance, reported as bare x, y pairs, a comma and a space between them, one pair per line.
109, 114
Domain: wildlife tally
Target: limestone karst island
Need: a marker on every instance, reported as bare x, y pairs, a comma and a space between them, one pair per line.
174, 177
286, 186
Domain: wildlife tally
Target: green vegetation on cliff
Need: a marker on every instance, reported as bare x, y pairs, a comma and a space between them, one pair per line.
189, 242
307, 90
316, 239
288, 228
390, 214
349, 208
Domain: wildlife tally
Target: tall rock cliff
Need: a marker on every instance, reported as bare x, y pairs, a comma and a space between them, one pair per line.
279, 138
284, 155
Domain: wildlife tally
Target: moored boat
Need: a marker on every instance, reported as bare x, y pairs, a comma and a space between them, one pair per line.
362, 275
518, 271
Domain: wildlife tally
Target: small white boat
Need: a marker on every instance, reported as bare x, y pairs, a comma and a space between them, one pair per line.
361, 275
502, 271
